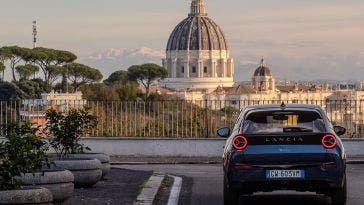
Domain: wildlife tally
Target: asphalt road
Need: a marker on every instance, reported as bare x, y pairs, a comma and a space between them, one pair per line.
108, 191
203, 185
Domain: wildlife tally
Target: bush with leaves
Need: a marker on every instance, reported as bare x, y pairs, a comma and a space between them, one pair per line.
66, 129
22, 152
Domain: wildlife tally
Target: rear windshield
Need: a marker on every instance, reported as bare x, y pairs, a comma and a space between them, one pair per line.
283, 121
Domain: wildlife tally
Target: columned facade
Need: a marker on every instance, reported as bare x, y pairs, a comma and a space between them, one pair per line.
197, 54
263, 80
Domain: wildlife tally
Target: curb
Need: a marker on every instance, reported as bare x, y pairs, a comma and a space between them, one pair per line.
352, 161
150, 190
161, 163
175, 191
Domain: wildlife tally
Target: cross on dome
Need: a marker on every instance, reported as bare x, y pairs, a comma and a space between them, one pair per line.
262, 63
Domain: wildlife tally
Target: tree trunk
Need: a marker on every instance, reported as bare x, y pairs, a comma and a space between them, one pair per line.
13, 72
74, 85
147, 90
46, 78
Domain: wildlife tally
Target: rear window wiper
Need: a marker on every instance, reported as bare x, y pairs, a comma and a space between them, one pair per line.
296, 129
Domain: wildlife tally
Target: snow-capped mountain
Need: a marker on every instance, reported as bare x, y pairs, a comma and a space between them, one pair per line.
328, 67
115, 54
111, 60
308, 68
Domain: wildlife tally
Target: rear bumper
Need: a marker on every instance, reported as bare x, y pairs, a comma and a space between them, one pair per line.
322, 187
316, 179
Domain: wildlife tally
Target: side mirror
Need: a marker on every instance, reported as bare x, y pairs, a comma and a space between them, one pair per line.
224, 132
339, 130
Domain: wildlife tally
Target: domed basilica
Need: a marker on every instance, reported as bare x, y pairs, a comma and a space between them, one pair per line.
200, 67
197, 54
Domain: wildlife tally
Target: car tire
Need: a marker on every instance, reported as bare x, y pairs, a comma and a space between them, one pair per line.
231, 196
339, 196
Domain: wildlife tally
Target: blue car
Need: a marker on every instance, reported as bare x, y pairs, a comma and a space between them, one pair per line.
284, 147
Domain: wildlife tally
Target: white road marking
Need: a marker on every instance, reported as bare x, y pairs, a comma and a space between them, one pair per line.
175, 191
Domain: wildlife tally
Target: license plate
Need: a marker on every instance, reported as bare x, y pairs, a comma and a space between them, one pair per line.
285, 174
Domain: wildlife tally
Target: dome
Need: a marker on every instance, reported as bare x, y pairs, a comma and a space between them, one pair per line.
197, 32
262, 70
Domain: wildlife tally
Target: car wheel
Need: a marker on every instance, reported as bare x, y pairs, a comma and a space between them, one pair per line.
339, 196
231, 196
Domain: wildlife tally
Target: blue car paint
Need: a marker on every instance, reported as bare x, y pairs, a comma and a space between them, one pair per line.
314, 173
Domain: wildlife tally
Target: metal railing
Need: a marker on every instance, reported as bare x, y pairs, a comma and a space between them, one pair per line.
172, 118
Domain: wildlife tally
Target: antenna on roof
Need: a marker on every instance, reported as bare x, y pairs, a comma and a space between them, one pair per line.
35, 33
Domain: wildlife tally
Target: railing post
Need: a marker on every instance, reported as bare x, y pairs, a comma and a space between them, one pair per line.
206, 120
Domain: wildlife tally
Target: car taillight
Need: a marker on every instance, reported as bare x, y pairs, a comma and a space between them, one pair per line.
329, 141
328, 166
240, 143
242, 166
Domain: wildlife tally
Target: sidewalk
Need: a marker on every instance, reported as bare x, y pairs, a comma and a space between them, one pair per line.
355, 160
120, 160
115, 160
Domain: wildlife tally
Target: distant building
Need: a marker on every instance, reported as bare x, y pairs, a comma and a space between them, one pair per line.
360, 86
264, 88
347, 107
263, 80
33, 110
197, 54
200, 69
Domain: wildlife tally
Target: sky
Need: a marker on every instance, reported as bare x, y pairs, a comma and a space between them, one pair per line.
314, 32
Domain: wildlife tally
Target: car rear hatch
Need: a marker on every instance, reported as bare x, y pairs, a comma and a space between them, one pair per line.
286, 149
284, 137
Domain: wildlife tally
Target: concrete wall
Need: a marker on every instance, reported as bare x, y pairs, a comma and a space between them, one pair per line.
180, 147
157, 147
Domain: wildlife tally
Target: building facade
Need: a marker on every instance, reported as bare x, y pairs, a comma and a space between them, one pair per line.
263, 80
197, 54
34, 110
201, 70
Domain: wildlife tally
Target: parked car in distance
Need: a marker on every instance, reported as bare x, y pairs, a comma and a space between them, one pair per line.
283, 147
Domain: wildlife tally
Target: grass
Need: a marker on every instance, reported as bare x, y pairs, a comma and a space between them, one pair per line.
144, 184
166, 183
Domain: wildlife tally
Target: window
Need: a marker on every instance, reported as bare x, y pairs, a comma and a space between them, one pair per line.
283, 122
205, 69
193, 69
183, 69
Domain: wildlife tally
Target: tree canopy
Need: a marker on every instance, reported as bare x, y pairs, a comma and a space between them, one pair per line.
33, 88
147, 74
120, 76
53, 64
80, 74
54, 73
15, 54
9, 91
5, 54
2, 70
47, 58
26, 71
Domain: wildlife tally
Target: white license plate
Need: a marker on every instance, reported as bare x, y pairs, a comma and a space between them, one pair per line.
285, 174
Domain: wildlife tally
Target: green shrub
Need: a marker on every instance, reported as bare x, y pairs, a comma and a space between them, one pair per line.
66, 129
22, 152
